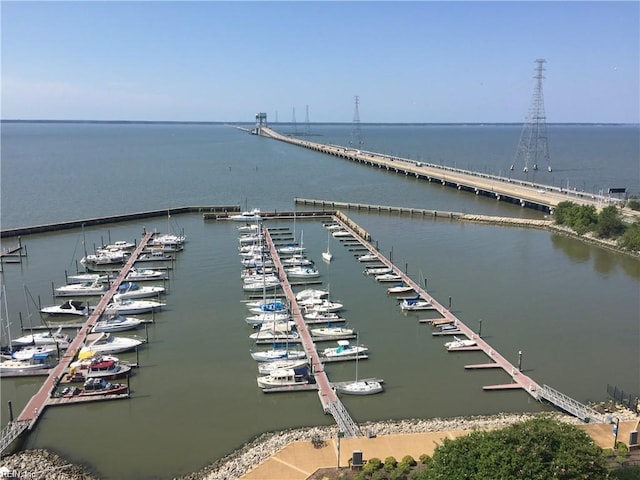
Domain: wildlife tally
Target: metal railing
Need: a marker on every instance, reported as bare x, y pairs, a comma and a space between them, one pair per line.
10, 432
568, 404
344, 420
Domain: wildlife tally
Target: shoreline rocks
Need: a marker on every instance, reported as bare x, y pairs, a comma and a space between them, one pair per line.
46, 465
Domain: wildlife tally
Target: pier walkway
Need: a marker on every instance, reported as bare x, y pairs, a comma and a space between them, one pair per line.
525, 193
330, 401
518, 379
37, 404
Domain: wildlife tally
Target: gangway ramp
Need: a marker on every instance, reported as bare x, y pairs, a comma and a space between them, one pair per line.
569, 405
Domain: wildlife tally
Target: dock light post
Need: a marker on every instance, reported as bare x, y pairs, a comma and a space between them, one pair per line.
520, 360
615, 433
340, 435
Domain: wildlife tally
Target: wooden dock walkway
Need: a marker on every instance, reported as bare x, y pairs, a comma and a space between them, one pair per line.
328, 397
43, 397
518, 379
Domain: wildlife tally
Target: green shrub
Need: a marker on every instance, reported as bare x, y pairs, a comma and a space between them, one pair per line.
390, 463
408, 459
425, 459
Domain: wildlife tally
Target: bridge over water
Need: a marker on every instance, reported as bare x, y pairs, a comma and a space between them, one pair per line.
527, 194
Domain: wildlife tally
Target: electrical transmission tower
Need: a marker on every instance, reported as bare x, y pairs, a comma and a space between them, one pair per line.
293, 121
356, 132
533, 145
307, 125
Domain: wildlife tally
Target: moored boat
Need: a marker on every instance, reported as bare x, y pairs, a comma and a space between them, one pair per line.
70, 307
81, 289
105, 343
344, 349
264, 368
37, 362
116, 323
285, 378
126, 306
95, 387
247, 216
361, 387
459, 343
132, 290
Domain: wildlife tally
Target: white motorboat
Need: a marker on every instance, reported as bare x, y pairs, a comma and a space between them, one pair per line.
44, 338
120, 245
311, 293
302, 272
144, 274
37, 362
361, 387
156, 256
388, 277
415, 304
81, 289
277, 354
267, 317
133, 290
108, 344
89, 278
344, 349
168, 239
27, 353
341, 234
105, 257
116, 323
264, 368
331, 331
247, 216
126, 306
70, 307
285, 378
459, 343
368, 257
399, 288
377, 271
296, 260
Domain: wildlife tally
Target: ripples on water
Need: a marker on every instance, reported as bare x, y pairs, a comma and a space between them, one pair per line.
572, 308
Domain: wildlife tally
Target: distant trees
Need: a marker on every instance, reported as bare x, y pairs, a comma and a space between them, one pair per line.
606, 224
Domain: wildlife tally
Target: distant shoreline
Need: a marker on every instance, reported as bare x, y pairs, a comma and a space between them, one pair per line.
236, 122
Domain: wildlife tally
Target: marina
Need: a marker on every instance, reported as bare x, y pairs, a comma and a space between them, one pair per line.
534, 317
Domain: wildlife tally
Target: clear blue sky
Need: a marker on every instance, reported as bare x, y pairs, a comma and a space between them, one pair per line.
407, 61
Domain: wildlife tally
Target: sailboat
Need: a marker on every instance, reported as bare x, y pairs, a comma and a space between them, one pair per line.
327, 256
359, 387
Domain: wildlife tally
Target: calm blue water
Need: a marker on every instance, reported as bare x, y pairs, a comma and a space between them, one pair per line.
572, 308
